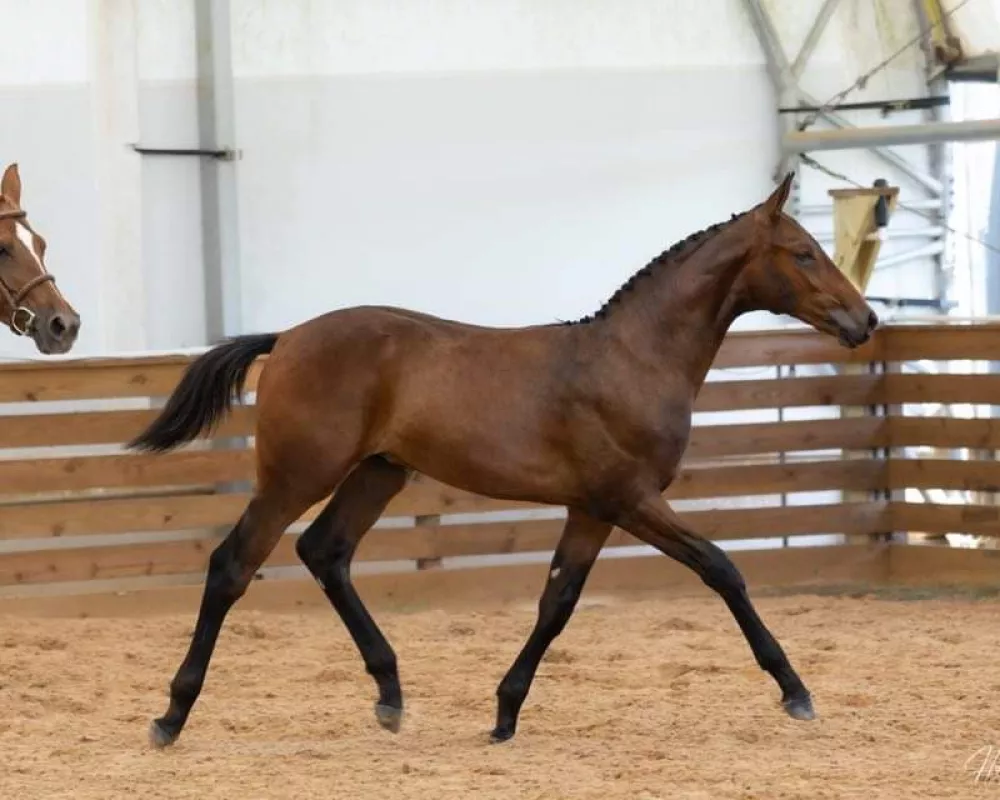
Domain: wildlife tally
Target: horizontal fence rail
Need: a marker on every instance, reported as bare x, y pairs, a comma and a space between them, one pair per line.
794, 436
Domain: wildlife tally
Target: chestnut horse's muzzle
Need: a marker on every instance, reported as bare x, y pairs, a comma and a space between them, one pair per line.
853, 330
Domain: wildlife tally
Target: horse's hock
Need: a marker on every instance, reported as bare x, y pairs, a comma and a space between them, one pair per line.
882, 450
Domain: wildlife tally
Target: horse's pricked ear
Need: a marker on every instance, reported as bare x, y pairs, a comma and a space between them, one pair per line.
776, 202
10, 185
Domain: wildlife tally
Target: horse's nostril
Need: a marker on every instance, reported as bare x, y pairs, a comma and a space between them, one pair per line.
872, 320
58, 326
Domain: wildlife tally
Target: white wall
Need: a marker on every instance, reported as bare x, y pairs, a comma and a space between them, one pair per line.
172, 257
48, 128
393, 152
499, 161
406, 153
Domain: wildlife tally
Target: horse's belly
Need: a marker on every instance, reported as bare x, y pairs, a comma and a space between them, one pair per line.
486, 452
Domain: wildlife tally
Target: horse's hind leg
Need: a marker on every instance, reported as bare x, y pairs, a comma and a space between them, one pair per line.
581, 541
231, 567
327, 547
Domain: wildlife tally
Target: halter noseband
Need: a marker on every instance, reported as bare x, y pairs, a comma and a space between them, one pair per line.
22, 319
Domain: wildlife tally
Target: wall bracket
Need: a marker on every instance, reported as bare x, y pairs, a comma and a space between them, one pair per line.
227, 154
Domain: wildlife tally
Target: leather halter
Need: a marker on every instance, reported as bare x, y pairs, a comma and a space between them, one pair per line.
22, 319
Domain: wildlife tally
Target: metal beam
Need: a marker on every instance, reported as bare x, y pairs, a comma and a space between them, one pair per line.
217, 132
885, 106
993, 252
780, 73
219, 212
939, 153
929, 182
774, 57
978, 69
812, 38
825, 209
929, 232
944, 45
785, 83
932, 249
992, 257
929, 133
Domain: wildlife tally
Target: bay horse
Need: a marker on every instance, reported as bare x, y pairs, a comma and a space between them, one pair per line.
593, 415
30, 303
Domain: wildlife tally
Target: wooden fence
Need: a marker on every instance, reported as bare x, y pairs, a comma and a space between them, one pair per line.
845, 446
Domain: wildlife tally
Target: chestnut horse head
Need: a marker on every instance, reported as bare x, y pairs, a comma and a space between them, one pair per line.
789, 273
30, 303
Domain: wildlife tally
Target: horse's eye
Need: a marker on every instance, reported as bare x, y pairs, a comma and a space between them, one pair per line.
804, 259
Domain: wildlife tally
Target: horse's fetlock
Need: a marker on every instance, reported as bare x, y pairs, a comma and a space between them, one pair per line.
382, 665
186, 686
512, 688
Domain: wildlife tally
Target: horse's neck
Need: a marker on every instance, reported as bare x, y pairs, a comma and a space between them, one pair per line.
683, 315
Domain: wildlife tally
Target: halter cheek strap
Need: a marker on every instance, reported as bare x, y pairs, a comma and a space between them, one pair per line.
22, 319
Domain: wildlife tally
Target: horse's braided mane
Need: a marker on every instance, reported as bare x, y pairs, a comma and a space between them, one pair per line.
657, 263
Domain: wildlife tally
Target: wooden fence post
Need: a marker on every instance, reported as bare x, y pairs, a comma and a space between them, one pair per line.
428, 521
858, 215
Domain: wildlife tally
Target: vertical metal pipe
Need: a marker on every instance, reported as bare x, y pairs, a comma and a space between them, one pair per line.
992, 287
220, 208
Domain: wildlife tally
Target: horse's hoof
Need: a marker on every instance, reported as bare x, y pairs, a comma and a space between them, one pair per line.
800, 708
388, 717
499, 735
158, 737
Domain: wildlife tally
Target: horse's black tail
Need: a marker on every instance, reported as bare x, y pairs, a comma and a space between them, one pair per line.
205, 394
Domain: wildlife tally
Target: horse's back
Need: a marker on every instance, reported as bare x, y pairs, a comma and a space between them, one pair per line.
437, 394
388, 332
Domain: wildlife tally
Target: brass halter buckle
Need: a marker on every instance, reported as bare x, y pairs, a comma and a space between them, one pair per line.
22, 321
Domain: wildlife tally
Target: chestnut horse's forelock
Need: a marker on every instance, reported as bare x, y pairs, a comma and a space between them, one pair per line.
22, 318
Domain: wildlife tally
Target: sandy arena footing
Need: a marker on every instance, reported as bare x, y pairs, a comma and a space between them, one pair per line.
639, 699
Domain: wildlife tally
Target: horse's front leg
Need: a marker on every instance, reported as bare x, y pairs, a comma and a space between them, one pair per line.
582, 539
655, 523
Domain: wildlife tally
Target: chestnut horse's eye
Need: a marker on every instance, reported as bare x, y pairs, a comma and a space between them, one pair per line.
804, 259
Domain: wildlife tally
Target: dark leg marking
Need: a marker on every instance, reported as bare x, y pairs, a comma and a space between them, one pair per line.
231, 567
575, 554
327, 547
655, 523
